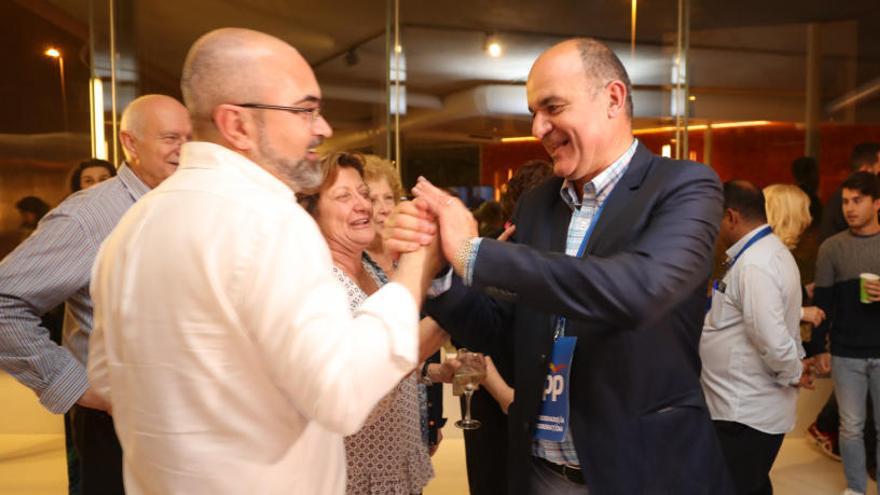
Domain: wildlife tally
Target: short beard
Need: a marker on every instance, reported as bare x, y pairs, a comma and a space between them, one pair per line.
300, 175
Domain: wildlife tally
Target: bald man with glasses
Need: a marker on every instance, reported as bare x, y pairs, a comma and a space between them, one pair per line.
223, 341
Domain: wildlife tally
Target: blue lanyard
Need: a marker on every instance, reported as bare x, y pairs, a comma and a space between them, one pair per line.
757, 237
560, 320
718, 284
590, 229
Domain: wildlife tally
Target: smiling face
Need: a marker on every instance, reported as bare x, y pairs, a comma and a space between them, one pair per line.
567, 115
580, 120
344, 213
153, 133
383, 201
286, 141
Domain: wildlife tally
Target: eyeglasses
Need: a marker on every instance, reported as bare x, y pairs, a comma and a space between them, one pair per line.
313, 113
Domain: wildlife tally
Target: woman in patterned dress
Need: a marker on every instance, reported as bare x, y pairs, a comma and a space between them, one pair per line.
388, 455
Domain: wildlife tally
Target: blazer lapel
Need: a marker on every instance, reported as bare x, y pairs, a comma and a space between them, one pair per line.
560, 217
622, 194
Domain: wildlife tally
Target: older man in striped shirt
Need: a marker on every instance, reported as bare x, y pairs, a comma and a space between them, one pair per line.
54, 265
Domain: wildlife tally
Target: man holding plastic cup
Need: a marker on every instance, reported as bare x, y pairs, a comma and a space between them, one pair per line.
847, 289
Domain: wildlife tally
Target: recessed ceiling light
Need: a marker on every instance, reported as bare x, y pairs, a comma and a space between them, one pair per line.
493, 46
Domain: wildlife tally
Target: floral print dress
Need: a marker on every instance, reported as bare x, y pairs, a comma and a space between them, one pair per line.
387, 456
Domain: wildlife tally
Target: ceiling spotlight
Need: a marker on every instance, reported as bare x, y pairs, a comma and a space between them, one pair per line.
493, 46
52, 52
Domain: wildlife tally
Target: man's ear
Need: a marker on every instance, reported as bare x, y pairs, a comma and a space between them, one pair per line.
235, 125
731, 216
616, 98
128, 142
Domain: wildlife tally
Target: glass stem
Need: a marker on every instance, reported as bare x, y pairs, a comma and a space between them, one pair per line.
467, 405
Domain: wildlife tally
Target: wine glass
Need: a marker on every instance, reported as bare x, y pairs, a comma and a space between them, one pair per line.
471, 372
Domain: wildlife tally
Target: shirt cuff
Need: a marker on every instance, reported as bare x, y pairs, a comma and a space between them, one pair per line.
395, 306
471, 261
441, 284
66, 388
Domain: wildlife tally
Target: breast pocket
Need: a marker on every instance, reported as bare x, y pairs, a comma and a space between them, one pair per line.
723, 311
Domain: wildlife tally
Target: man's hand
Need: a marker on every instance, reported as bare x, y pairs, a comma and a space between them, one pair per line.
823, 363
457, 223
872, 287
409, 227
807, 379
91, 399
814, 315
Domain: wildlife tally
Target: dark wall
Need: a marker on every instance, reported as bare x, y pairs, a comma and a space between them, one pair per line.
30, 86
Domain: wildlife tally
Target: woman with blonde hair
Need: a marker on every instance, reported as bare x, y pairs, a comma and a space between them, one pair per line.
386, 191
788, 213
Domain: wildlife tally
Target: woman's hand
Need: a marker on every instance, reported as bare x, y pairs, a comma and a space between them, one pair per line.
813, 314
443, 372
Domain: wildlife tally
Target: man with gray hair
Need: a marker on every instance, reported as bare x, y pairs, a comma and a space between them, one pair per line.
54, 265
223, 341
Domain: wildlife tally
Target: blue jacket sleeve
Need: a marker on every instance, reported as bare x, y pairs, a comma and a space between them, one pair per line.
663, 264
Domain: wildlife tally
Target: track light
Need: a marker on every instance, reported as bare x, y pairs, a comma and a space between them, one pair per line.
493, 46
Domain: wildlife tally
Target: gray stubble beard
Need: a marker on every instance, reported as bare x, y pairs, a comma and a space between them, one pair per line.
300, 175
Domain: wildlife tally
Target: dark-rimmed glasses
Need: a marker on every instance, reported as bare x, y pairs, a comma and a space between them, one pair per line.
313, 112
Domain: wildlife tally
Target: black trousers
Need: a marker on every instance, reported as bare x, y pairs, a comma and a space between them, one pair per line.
749, 454
100, 456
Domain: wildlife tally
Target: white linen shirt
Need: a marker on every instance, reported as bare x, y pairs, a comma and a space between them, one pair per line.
226, 345
751, 345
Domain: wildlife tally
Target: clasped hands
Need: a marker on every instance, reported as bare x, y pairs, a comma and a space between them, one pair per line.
413, 224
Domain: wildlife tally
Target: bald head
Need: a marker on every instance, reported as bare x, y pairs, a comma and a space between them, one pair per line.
152, 129
233, 65
257, 96
147, 110
600, 64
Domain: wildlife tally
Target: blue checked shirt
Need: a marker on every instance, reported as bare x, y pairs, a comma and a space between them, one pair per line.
583, 213
52, 266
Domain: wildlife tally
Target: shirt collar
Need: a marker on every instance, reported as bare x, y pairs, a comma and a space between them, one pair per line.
132, 182
602, 184
733, 251
202, 154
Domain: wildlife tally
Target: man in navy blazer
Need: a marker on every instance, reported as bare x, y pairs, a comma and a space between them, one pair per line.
634, 299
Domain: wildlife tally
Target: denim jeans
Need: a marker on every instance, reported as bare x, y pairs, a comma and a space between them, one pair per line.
853, 378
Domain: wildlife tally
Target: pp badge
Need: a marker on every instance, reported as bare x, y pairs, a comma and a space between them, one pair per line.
553, 419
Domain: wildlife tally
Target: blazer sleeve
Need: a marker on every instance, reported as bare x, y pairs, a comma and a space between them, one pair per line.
665, 263
473, 319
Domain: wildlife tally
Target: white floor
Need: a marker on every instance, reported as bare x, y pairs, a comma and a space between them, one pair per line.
800, 468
